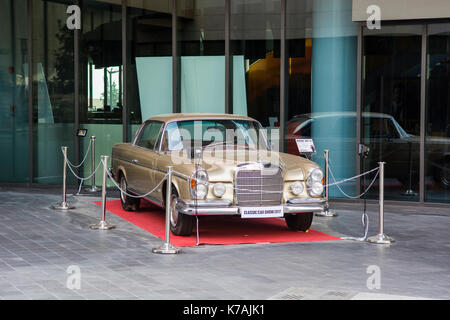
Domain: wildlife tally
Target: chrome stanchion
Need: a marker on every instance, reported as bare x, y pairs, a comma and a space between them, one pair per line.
166, 247
93, 187
103, 224
64, 205
410, 192
326, 210
381, 238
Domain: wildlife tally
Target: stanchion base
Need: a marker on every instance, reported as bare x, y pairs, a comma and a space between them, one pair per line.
409, 193
102, 225
93, 189
380, 239
62, 206
326, 213
166, 248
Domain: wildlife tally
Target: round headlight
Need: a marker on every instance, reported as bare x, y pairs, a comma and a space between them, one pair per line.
200, 191
219, 189
316, 175
316, 189
199, 184
297, 188
201, 176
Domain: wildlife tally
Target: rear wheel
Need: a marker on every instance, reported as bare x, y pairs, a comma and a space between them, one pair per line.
444, 174
128, 203
180, 223
299, 221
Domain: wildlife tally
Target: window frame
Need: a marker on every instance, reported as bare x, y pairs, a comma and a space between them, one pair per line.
141, 130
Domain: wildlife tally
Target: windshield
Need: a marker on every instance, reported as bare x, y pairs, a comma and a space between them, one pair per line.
222, 133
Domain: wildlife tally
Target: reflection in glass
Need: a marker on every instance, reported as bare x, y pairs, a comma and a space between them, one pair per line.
14, 130
437, 137
391, 107
149, 54
321, 50
255, 47
53, 85
201, 38
101, 85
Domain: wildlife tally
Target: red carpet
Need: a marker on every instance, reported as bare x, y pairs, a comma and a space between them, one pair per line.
216, 229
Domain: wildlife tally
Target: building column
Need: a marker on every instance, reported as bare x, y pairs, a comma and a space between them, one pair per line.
334, 62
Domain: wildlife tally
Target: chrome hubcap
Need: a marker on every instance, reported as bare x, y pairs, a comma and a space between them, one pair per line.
123, 186
173, 211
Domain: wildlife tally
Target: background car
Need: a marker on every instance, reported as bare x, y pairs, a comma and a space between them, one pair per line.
387, 141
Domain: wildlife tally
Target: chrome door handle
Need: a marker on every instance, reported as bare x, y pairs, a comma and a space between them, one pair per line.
135, 161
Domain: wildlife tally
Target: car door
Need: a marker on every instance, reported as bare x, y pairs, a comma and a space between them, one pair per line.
145, 153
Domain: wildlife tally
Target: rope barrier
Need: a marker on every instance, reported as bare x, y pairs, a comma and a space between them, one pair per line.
349, 179
136, 196
360, 195
75, 175
84, 159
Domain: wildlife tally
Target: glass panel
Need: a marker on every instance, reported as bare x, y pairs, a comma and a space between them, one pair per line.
101, 85
321, 50
201, 35
14, 130
437, 138
255, 47
53, 81
391, 107
149, 53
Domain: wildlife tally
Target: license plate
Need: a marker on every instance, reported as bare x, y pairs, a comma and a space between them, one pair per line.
261, 212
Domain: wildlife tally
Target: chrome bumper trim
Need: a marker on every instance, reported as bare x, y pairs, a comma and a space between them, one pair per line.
218, 207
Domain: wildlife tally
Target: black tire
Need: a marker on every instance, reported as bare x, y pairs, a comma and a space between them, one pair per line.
128, 203
442, 175
299, 221
180, 224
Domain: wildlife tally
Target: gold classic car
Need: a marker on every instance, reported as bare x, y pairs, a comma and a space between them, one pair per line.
222, 165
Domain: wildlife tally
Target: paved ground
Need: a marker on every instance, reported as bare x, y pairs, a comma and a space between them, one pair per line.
37, 245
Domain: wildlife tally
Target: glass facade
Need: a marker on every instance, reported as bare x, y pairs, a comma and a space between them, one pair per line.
14, 84
53, 90
255, 50
391, 106
292, 65
201, 52
149, 61
437, 131
321, 49
100, 80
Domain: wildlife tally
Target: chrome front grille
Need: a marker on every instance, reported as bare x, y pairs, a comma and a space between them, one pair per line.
255, 188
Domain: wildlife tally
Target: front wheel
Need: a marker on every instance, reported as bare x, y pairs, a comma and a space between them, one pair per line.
299, 221
128, 203
180, 223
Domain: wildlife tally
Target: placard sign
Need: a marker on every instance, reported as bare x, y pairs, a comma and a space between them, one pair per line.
305, 146
261, 212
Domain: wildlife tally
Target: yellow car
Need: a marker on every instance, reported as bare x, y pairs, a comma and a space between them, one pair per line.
222, 165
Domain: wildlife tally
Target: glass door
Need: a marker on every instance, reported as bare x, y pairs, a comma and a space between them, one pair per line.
391, 107
437, 130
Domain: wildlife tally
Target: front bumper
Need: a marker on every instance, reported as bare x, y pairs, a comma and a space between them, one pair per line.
224, 207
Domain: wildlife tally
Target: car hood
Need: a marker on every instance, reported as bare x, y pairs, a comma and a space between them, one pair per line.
221, 167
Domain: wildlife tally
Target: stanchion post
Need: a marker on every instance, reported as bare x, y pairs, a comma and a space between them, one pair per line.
64, 205
326, 210
93, 187
103, 224
381, 238
166, 247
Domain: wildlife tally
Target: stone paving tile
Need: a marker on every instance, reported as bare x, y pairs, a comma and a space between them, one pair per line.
37, 245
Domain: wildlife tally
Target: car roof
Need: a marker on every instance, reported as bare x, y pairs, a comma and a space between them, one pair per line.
198, 116
340, 114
